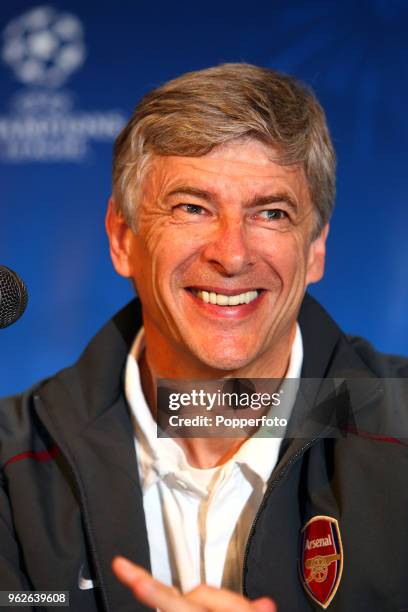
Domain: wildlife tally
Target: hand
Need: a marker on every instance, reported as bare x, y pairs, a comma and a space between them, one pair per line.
203, 598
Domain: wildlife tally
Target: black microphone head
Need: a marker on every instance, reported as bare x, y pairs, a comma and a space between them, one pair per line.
13, 297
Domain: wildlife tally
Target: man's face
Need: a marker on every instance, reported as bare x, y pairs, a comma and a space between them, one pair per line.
231, 227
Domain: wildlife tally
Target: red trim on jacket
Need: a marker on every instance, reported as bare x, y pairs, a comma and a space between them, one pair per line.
43, 455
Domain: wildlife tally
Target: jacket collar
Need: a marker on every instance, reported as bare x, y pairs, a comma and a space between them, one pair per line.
327, 351
85, 391
336, 384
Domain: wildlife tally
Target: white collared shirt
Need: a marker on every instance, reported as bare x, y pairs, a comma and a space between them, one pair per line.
198, 520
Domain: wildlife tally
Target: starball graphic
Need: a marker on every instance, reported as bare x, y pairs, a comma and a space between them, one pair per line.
42, 48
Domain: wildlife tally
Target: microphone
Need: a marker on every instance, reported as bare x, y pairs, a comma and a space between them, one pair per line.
13, 297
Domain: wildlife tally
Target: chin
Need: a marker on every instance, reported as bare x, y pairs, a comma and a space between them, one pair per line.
225, 361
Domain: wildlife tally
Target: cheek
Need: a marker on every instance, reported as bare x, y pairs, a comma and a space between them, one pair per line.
167, 251
286, 252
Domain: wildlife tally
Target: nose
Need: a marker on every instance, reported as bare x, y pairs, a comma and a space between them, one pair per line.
228, 248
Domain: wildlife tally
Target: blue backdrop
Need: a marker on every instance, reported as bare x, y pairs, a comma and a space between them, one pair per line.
71, 73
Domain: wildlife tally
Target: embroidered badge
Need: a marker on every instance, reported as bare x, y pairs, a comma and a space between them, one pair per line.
321, 559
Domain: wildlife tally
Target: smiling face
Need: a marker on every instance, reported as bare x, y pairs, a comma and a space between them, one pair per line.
221, 259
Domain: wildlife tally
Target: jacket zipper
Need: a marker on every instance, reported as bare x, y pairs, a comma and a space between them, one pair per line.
271, 486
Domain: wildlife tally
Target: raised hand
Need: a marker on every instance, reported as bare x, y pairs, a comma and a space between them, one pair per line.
203, 598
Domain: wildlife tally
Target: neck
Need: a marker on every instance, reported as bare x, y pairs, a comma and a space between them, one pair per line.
162, 362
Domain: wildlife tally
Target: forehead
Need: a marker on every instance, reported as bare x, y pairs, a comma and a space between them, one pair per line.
240, 165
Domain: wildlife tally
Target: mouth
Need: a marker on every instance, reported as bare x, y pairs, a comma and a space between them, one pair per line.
220, 302
226, 297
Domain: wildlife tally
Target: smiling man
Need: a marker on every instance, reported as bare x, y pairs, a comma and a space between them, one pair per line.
223, 187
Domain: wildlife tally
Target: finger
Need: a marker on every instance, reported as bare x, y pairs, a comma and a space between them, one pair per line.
222, 600
264, 604
149, 591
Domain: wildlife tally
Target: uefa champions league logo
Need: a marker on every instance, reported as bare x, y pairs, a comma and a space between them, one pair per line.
43, 47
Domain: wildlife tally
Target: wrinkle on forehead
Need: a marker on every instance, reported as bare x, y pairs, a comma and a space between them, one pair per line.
246, 148
231, 167
241, 156
166, 172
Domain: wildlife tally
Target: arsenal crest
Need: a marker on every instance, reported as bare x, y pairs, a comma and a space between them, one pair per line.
321, 559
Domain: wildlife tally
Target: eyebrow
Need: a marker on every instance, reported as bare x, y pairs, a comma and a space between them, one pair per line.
274, 198
193, 191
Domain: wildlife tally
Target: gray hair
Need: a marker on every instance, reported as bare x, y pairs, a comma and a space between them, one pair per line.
192, 114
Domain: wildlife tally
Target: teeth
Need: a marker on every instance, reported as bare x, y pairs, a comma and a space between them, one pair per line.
222, 300
227, 300
234, 300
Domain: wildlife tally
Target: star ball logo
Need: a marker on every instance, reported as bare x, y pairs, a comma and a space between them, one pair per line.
43, 48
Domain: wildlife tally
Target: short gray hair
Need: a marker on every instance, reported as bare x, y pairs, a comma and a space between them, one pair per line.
192, 114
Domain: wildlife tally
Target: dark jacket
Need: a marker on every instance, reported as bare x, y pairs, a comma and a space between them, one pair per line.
70, 499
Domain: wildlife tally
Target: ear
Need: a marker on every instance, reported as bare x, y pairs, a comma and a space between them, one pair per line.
120, 240
316, 257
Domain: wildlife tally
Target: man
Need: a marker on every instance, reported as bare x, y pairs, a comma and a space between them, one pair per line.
223, 187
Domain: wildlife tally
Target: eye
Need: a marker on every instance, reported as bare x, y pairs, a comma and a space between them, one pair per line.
190, 213
273, 214
272, 218
192, 209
